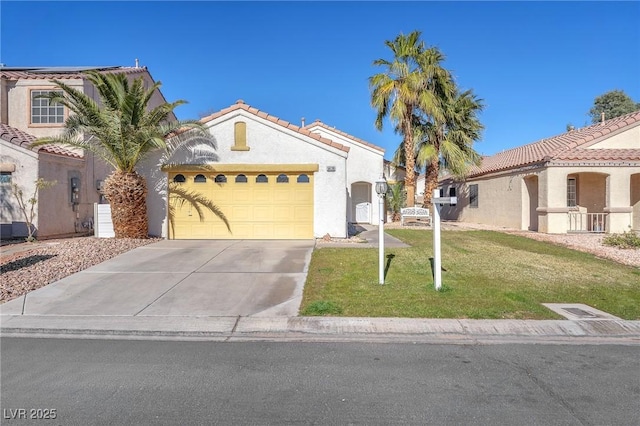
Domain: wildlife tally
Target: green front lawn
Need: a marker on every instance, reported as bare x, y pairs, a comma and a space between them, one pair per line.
487, 275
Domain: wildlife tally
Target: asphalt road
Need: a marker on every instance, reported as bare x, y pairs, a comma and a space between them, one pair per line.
113, 382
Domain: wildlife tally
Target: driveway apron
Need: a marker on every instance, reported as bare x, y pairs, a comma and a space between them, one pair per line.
182, 278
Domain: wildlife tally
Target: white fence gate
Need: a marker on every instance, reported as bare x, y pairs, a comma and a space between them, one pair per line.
363, 213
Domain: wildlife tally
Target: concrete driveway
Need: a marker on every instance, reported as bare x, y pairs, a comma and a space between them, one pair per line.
182, 278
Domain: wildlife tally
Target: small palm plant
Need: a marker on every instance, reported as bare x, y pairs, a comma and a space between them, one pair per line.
396, 198
122, 129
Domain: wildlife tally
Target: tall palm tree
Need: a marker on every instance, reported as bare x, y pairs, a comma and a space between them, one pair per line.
121, 129
449, 143
397, 92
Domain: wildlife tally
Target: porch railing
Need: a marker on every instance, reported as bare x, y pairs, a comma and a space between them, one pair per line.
587, 222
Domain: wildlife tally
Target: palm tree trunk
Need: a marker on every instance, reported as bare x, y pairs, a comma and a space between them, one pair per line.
410, 165
431, 181
127, 194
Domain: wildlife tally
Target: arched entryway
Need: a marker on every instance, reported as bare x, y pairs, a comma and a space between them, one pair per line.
530, 203
361, 202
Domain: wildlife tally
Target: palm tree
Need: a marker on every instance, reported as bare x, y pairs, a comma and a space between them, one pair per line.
396, 93
449, 143
122, 130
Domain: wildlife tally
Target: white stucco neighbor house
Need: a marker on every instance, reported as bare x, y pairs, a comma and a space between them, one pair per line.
67, 207
584, 180
277, 180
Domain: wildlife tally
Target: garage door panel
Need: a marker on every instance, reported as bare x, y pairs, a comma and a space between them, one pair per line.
282, 195
240, 213
302, 196
255, 210
263, 213
302, 214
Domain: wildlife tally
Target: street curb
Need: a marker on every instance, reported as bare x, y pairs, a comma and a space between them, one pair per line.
324, 329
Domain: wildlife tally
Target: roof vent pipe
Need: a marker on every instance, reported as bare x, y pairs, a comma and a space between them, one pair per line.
302, 121
137, 63
602, 118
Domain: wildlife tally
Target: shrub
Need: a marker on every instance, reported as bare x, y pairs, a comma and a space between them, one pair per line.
626, 240
322, 307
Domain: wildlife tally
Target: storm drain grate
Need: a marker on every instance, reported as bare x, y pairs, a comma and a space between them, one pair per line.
580, 313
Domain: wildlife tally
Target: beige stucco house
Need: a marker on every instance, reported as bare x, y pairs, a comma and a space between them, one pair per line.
276, 180
584, 180
67, 207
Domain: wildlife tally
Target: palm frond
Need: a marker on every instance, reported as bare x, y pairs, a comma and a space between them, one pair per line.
179, 196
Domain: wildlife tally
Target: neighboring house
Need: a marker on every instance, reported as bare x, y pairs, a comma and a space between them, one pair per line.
276, 180
67, 207
23, 166
584, 180
394, 173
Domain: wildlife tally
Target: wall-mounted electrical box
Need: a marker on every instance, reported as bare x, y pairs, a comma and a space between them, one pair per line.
75, 190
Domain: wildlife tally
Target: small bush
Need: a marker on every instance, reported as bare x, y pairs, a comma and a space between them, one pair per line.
626, 240
322, 307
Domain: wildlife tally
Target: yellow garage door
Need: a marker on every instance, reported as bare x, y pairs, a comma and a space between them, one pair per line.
258, 205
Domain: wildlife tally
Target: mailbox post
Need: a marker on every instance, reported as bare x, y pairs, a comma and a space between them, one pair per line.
437, 263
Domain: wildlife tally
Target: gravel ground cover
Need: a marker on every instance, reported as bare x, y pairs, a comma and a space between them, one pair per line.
35, 265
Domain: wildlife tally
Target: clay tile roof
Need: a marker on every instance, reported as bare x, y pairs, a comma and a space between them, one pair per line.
23, 139
61, 73
347, 135
240, 105
599, 155
569, 146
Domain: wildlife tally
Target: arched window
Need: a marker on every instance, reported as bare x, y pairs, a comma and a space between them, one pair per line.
200, 178
282, 179
303, 179
220, 179
241, 179
262, 179
179, 179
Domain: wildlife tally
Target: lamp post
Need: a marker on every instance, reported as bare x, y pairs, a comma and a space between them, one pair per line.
381, 190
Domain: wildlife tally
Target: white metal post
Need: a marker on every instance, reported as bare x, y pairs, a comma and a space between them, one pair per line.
437, 270
381, 240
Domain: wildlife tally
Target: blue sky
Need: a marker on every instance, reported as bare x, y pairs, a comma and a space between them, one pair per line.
537, 65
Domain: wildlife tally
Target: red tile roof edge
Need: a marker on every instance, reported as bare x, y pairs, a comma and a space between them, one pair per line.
559, 146
599, 155
345, 134
24, 139
26, 74
245, 107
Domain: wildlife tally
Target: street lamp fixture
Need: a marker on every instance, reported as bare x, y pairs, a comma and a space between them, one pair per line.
381, 189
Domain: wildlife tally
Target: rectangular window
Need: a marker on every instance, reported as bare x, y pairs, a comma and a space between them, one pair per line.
452, 193
473, 195
5, 177
572, 194
42, 112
